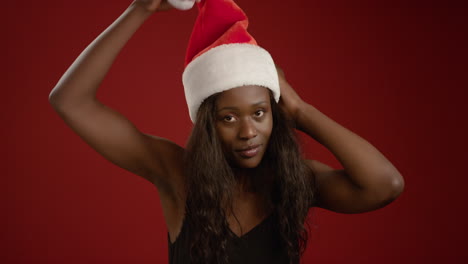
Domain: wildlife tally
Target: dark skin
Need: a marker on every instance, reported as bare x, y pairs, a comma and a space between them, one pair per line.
368, 181
244, 123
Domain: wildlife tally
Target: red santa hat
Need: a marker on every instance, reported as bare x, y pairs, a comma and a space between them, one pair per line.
222, 55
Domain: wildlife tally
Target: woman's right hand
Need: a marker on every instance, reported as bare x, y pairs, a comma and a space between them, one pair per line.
154, 5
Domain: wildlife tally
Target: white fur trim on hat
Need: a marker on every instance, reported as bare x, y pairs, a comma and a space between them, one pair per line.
182, 4
225, 67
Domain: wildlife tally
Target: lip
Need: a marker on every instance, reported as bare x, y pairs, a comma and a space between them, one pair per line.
249, 152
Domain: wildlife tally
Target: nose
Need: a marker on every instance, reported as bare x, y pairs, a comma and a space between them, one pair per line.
247, 129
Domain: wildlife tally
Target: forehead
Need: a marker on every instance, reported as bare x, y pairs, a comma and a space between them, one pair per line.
244, 95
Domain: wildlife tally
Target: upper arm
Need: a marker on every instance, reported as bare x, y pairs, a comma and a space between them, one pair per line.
119, 141
336, 192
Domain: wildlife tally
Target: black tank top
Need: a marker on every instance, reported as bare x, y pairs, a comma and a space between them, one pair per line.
259, 245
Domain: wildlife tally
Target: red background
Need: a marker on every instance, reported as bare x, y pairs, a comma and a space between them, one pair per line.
393, 72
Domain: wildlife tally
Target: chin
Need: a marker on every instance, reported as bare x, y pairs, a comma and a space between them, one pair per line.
247, 166
247, 163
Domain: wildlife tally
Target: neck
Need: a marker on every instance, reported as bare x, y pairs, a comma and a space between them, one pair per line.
244, 180
249, 181
254, 184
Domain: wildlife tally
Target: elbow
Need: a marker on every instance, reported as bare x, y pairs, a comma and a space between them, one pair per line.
388, 190
396, 182
54, 103
394, 188
399, 183
54, 100
397, 186
392, 182
63, 101
61, 106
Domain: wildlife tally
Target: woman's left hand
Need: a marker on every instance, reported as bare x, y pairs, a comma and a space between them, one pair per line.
290, 102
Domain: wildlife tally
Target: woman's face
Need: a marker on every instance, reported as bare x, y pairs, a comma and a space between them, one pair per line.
244, 123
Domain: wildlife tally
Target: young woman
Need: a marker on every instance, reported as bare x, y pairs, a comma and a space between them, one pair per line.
239, 191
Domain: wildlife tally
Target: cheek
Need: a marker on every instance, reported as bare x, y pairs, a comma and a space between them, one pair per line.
225, 137
267, 128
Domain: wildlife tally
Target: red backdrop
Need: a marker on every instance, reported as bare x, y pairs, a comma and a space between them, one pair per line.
394, 73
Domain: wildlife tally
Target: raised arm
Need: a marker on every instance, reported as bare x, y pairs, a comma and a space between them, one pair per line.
105, 130
368, 181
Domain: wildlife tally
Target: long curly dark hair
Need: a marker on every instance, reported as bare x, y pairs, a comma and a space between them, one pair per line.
210, 182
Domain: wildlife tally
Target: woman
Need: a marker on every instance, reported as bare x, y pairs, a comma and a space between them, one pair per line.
240, 191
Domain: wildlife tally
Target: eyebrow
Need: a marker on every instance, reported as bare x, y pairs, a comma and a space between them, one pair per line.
235, 108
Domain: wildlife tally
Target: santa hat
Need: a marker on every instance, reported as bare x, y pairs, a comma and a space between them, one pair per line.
222, 55
182, 4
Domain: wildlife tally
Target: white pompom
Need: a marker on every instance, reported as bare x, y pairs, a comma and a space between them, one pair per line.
182, 4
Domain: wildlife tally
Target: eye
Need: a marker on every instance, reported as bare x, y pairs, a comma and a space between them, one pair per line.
229, 118
259, 113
